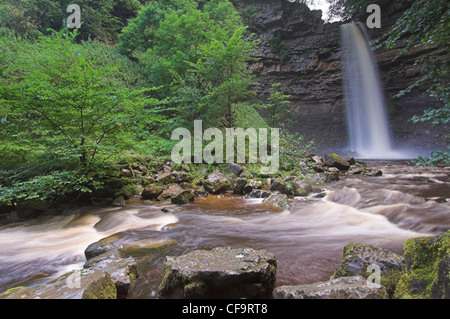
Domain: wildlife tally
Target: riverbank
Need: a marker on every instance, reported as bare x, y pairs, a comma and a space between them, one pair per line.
307, 239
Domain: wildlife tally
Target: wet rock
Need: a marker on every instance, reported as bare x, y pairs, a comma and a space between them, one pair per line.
281, 186
363, 260
277, 200
372, 173
331, 176
427, 268
216, 183
223, 272
165, 178
301, 187
258, 193
235, 169
251, 185
104, 245
84, 284
123, 271
239, 186
182, 177
351, 160
171, 192
334, 160
119, 201
341, 288
152, 192
145, 247
185, 197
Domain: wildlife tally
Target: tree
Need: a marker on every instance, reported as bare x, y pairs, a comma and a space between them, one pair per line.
54, 94
277, 105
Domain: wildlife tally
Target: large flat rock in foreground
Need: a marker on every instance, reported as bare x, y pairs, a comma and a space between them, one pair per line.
341, 288
222, 272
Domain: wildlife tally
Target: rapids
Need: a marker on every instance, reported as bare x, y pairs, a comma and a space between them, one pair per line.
407, 201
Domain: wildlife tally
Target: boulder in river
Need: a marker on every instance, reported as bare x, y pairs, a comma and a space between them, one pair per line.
78, 284
340, 288
334, 160
222, 272
152, 192
277, 200
365, 260
184, 197
281, 186
216, 183
123, 271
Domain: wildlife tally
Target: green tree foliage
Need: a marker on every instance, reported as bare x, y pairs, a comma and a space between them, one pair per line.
62, 113
101, 19
277, 105
196, 55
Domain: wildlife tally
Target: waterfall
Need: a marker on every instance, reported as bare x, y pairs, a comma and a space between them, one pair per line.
369, 132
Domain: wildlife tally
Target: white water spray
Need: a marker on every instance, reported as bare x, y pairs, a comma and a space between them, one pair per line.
370, 135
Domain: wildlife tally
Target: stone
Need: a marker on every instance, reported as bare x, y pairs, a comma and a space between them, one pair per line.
259, 193
77, 284
123, 271
331, 176
239, 184
222, 272
103, 245
357, 258
301, 187
235, 169
165, 178
350, 159
427, 270
340, 288
251, 185
170, 192
216, 183
182, 177
277, 200
372, 173
145, 247
334, 160
281, 186
152, 192
184, 197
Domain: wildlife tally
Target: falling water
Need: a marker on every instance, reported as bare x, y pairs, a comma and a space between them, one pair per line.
369, 131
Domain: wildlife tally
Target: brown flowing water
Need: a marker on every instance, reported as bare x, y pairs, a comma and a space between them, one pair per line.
307, 240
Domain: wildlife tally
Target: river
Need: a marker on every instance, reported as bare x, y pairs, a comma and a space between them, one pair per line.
406, 202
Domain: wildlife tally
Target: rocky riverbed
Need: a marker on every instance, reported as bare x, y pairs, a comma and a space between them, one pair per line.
323, 231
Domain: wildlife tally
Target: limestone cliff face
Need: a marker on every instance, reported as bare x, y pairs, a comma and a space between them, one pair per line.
302, 52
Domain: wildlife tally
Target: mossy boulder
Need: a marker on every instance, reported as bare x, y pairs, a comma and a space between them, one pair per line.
281, 186
184, 197
104, 245
216, 183
222, 272
357, 258
78, 284
334, 160
152, 192
122, 270
251, 185
277, 200
427, 273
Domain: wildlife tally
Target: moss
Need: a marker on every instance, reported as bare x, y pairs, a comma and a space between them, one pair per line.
102, 288
423, 257
10, 291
